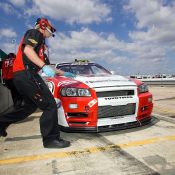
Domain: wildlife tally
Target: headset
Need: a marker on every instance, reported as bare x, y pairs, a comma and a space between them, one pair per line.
43, 24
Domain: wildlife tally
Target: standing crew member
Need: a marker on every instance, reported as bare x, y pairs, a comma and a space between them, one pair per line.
36, 94
7, 76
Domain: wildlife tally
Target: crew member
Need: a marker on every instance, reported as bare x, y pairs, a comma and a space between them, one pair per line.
36, 94
7, 76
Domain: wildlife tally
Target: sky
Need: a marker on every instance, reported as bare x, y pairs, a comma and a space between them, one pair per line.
125, 36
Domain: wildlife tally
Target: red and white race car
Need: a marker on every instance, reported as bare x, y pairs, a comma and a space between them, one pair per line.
96, 100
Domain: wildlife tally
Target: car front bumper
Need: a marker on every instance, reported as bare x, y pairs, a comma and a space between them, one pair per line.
108, 127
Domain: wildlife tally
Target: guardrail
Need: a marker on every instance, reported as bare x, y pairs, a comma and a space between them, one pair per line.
159, 81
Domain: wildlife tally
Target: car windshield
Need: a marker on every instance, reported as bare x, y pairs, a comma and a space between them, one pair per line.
88, 69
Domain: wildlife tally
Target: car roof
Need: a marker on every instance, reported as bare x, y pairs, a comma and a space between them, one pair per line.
76, 62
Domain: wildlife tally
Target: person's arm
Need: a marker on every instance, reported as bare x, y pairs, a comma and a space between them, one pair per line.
47, 69
32, 56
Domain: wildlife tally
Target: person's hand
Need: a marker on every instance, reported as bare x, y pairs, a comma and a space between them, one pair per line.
69, 74
48, 71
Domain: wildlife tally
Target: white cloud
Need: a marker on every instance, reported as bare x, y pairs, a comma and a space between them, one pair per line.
84, 44
7, 8
74, 11
154, 35
18, 2
7, 40
85, 38
8, 47
7, 33
149, 42
87, 44
156, 18
152, 12
147, 48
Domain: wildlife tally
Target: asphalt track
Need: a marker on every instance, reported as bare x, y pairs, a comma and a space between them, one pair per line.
147, 150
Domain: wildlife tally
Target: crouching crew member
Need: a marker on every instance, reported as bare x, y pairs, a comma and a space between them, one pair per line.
36, 94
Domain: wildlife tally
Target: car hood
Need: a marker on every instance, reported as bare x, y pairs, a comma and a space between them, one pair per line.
105, 81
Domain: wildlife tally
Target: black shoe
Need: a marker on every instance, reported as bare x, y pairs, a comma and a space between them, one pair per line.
3, 133
57, 143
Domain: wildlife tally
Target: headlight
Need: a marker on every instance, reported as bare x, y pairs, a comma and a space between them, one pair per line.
142, 88
74, 92
50, 86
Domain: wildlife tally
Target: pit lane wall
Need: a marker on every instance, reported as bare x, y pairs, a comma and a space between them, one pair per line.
160, 81
5, 99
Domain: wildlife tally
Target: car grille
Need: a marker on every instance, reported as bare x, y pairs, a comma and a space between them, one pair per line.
114, 111
115, 93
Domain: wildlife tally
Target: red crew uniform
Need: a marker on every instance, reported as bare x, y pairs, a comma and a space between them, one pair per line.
7, 68
7, 75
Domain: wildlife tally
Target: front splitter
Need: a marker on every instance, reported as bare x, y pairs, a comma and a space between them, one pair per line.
107, 128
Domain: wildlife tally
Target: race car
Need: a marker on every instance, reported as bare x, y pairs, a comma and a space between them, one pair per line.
97, 100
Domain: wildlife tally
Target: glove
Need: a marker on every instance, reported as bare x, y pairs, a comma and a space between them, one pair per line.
68, 74
48, 71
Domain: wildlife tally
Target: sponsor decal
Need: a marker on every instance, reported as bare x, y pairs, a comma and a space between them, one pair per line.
32, 41
92, 103
102, 81
119, 97
66, 82
58, 102
8, 63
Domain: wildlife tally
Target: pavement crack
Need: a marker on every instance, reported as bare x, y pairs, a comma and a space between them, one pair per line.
54, 167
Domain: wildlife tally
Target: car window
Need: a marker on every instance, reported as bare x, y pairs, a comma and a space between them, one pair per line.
98, 70
64, 68
89, 69
81, 69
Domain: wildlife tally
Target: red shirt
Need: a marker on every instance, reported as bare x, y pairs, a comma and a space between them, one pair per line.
35, 39
7, 68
